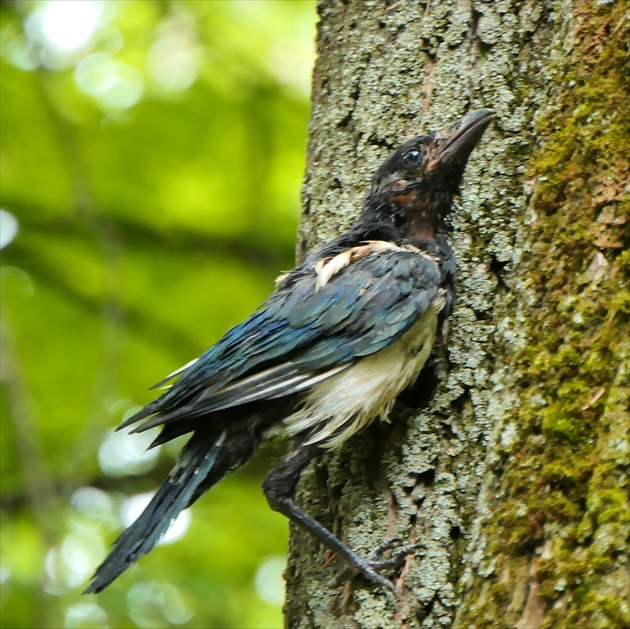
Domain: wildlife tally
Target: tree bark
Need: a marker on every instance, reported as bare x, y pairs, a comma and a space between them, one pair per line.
512, 479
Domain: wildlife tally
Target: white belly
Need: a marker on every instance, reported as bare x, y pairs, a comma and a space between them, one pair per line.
344, 404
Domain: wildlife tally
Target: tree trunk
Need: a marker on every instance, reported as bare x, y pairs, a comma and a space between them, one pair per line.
511, 479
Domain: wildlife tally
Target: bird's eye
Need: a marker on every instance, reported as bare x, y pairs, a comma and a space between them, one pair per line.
413, 158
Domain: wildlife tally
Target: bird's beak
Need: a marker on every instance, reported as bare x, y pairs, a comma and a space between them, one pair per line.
455, 144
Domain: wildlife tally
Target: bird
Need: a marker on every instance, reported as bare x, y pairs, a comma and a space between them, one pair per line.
339, 338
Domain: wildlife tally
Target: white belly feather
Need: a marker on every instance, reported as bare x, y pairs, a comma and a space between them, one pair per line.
344, 404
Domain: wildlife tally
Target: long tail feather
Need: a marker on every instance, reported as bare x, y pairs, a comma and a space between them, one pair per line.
187, 481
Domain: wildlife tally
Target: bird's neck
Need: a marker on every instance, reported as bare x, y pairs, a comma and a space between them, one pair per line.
416, 214
422, 213
370, 228
412, 218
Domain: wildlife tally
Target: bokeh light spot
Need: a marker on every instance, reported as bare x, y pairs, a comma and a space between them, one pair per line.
5, 574
113, 84
22, 54
95, 505
173, 59
135, 505
80, 552
9, 228
121, 454
69, 25
269, 580
86, 616
157, 604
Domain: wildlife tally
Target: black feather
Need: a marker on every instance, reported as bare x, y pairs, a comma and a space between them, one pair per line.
192, 470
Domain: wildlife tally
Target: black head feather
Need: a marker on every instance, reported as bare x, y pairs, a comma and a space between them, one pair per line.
414, 187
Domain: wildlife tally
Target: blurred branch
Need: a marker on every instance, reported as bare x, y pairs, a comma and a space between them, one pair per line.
251, 246
151, 328
256, 469
123, 484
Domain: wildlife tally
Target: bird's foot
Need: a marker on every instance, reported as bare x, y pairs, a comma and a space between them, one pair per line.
372, 566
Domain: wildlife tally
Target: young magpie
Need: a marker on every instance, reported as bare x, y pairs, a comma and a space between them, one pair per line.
339, 338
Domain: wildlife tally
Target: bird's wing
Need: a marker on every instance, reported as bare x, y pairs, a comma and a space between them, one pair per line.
320, 320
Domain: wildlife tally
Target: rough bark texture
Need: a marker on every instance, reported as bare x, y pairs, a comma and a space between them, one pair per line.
512, 479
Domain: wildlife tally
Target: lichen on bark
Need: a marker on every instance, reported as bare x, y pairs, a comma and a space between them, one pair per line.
507, 478
559, 505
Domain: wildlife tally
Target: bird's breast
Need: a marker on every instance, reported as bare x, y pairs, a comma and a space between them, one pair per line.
341, 406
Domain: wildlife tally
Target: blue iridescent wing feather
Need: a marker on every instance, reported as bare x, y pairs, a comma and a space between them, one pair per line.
302, 333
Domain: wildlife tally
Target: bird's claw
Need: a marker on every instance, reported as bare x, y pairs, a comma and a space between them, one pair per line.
371, 567
388, 544
395, 560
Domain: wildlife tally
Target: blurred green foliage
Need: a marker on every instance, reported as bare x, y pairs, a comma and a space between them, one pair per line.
152, 154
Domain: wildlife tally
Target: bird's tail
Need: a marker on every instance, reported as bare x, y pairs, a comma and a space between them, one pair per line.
204, 461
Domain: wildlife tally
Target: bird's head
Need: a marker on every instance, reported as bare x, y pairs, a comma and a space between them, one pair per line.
416, 184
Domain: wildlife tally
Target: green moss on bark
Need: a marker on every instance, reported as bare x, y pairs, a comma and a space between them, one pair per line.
563, 501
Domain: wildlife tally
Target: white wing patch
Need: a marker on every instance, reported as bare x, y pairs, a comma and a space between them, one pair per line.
282, 278
178, 371
339, 407
161, 384
327, 268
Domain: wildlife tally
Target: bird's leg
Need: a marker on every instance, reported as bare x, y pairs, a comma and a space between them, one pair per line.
279, 488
